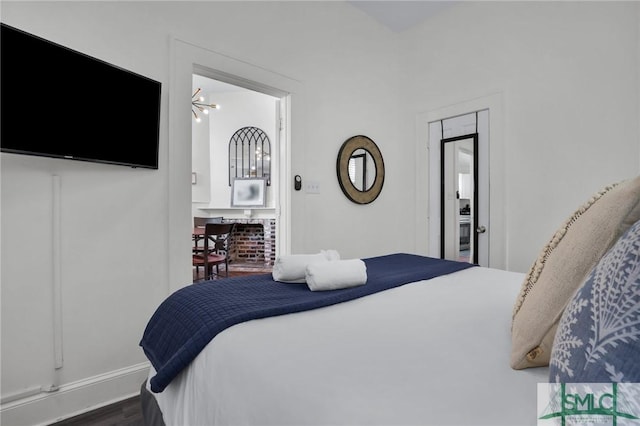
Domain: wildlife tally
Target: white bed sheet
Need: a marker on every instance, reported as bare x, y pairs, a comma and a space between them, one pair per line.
427, 353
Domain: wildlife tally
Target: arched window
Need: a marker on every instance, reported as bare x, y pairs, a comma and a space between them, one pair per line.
249, 154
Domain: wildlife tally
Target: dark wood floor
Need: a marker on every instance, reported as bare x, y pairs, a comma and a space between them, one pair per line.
235, 270
124, 413
129, 412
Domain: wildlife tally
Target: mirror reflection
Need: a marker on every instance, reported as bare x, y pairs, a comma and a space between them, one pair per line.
362, 169
459, 195
249, 154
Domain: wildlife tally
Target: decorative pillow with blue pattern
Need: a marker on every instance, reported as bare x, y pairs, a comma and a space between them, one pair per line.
598, 337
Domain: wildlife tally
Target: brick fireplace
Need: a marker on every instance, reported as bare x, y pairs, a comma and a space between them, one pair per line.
253, 243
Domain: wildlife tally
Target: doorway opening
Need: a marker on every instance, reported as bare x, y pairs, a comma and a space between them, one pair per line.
189, 58
219, 158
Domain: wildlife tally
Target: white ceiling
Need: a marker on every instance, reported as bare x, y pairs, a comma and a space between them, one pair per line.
401, 15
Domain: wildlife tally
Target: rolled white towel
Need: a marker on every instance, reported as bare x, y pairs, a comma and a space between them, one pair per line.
336, 274
292, 268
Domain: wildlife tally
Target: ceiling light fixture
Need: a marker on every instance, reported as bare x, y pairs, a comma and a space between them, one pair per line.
198, 105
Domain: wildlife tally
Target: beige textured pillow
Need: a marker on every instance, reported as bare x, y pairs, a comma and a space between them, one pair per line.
563, 265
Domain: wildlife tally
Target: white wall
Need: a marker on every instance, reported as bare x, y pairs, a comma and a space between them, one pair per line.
567, 72
211, 147
113, 251
201, 158
115, 242
567, 75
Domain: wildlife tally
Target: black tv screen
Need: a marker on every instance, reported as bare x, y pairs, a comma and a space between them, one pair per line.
57, 102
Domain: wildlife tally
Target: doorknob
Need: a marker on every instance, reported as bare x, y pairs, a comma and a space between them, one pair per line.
481, 229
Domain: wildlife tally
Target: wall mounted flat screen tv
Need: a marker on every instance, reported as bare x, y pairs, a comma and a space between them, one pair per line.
57, 102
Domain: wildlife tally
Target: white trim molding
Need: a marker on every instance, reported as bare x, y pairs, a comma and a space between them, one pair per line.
37, 406
497, 190
188, 58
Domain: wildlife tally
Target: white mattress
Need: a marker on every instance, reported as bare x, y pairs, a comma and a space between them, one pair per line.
428, 353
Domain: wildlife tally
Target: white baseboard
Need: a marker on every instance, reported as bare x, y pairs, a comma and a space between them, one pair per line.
75, 398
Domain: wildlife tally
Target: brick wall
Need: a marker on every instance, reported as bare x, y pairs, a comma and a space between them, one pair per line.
253, 242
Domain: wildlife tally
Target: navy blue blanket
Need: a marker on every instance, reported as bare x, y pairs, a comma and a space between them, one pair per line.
189, 318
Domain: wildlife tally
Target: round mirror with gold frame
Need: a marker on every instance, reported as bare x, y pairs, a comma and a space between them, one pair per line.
360, 169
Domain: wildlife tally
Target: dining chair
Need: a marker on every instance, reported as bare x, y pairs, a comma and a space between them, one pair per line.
217, 244
198, 224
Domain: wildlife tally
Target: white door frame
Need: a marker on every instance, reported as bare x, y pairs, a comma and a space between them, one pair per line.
426, 189
185, 58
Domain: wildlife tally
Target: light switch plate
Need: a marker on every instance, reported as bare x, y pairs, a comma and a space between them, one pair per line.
312, 187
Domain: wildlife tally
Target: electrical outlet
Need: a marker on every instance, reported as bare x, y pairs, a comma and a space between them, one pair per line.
312, 188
